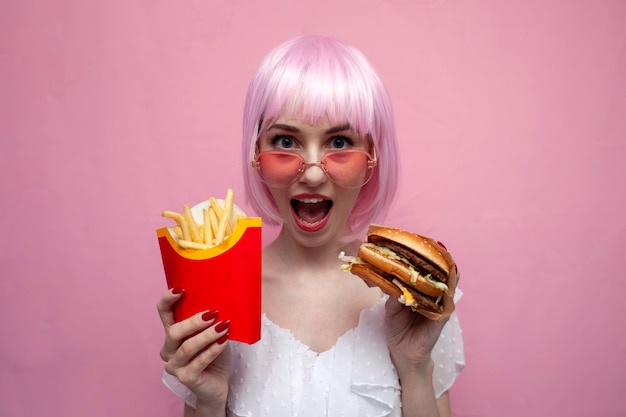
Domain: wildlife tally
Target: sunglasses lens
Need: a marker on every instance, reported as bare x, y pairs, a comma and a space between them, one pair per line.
348, 168
279, 169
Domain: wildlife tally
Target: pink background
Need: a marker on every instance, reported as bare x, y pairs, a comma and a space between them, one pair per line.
512, 117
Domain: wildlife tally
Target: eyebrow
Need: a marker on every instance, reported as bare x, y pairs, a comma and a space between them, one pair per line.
340, 128
290, 128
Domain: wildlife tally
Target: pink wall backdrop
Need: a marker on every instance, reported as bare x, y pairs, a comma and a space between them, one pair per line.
512, 117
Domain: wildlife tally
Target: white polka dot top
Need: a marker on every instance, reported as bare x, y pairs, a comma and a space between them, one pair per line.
281, 377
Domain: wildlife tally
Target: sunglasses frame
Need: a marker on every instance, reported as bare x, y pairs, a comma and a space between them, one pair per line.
372, 162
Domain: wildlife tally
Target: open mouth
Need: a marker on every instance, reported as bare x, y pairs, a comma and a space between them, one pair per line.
311, 213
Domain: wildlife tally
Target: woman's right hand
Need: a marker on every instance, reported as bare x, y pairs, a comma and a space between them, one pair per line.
196, 351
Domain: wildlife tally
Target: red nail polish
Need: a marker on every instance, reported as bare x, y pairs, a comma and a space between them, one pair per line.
177, 291
223, 339
209, 315
442, 245
222, 325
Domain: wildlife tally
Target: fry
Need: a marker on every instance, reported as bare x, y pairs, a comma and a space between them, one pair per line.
178, 230
171, 215
193, 226
225, 220
228, 230
208, 233
213, 219
221, 229
185, 228
187, 244
219, 212
216, 207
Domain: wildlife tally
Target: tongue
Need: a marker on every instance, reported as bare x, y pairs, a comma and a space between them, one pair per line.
311, 212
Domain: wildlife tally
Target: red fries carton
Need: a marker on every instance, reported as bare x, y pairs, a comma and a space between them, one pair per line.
226, 277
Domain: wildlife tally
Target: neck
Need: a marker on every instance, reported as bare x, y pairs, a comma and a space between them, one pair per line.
291, 253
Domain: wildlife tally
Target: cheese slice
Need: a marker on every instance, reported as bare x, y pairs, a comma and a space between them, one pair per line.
406, 298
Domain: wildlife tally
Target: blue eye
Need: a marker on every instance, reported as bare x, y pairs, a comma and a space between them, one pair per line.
283, 142
340, 142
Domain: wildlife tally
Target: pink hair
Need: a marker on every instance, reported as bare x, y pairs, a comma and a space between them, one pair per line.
316, 77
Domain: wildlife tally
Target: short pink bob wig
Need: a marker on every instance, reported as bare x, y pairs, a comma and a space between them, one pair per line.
316, 77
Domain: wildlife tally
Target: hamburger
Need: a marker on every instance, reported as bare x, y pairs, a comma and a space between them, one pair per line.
415, 268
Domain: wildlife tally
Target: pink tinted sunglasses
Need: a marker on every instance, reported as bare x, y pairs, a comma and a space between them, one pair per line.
350, 168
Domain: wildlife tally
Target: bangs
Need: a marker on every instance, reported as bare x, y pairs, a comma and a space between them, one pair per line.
314, 86
317, 93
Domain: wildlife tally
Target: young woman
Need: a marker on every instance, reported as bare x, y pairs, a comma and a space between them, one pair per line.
320, 159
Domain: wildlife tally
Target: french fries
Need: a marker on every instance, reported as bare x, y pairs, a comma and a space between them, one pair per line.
218, 223
226, 213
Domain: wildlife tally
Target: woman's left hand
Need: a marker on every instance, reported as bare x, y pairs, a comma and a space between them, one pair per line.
410, 336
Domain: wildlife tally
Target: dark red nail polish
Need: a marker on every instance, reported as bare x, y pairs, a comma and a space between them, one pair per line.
442, 245
223, 339
177, 291
222, 325
209, 315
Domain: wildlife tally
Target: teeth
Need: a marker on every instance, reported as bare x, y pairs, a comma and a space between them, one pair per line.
311, 200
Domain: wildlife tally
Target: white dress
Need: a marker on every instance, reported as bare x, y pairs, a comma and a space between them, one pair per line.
281, 377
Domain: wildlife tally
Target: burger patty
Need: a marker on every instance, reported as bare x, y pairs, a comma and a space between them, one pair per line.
423, 266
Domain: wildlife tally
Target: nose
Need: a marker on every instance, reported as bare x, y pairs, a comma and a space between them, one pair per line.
313, 174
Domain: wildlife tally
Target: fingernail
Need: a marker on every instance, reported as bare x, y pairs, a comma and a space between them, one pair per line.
442, 245
222, 325
223, 339
177, 291
209, 315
